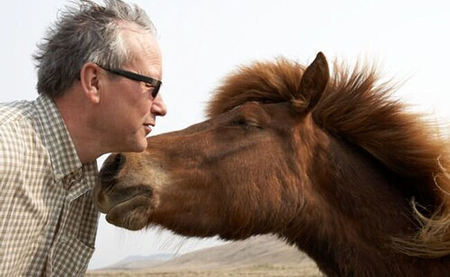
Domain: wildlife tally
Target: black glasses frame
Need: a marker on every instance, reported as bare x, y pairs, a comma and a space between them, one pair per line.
156, 84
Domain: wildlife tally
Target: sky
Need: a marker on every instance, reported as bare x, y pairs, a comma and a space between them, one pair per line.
203, 40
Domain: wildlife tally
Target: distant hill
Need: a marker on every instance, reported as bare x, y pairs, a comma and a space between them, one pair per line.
138, 262
258, 250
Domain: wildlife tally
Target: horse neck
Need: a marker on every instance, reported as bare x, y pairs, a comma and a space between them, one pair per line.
352, 209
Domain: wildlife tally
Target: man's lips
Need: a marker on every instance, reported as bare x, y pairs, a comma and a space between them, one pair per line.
148, 127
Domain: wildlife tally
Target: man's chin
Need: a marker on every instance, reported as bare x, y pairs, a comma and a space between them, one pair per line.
141, 146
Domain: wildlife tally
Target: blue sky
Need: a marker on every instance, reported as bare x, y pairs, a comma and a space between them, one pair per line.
203, 40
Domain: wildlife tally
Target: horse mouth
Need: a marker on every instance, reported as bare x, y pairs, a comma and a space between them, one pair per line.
131, 214
128, 207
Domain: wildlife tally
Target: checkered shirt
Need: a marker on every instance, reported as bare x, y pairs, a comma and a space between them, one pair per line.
48, 221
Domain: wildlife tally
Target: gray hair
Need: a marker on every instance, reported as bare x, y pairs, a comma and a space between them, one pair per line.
85, 32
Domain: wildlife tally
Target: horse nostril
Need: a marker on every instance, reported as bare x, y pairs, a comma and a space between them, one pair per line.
111, 167
119, 160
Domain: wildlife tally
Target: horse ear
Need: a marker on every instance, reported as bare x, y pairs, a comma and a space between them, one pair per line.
313, 83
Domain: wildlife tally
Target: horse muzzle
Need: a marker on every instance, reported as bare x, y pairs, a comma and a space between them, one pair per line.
125, 204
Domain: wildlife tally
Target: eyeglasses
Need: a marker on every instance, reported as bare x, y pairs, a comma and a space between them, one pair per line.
156, 84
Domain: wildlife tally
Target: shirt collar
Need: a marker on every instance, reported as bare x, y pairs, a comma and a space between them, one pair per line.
56, 138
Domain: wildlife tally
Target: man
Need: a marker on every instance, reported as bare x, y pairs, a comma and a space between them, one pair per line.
98, 78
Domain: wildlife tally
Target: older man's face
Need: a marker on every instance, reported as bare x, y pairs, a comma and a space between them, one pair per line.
130, 110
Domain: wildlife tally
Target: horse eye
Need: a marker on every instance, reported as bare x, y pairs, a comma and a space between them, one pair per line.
242, 122
267, 101
239, 122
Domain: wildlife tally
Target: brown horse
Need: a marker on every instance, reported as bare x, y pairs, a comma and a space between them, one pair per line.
332, 165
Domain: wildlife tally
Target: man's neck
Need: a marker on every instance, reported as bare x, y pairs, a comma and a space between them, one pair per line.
77, 116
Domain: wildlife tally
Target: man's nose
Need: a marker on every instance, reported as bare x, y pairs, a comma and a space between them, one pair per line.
158, 106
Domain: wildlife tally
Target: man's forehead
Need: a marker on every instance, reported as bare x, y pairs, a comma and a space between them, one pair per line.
138, 38
144, 50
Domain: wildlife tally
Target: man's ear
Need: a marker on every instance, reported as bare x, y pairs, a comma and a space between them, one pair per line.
89, 78
313, 83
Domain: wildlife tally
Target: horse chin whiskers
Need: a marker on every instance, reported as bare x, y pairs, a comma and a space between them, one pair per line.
133, 213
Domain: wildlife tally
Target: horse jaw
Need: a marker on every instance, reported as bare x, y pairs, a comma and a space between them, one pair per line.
128, 195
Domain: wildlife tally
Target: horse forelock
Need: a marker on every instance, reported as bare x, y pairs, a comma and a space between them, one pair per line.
356, 106
261, 81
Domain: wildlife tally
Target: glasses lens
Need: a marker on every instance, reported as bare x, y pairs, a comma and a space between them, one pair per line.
156, 84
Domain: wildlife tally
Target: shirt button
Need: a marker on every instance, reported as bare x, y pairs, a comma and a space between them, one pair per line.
78, 174
64, 239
